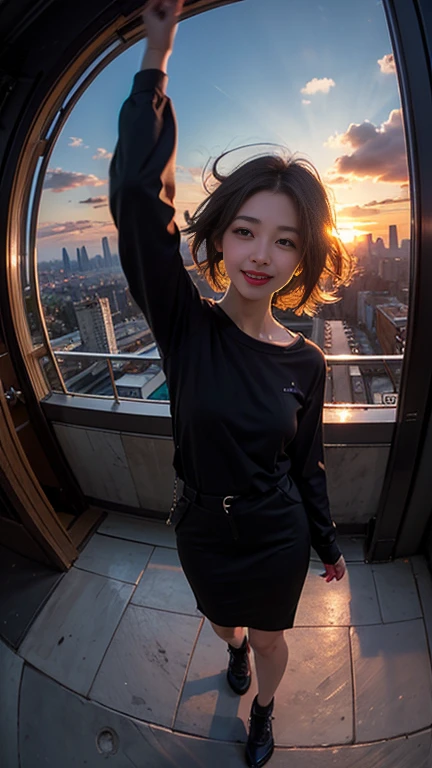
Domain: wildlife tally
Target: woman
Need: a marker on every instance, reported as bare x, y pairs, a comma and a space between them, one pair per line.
246, 394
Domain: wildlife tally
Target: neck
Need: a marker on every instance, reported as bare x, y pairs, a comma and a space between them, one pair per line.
253, 317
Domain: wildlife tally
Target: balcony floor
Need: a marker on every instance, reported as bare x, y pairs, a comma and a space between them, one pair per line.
119, 664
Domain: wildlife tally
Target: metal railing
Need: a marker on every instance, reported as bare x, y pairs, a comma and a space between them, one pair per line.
348, 360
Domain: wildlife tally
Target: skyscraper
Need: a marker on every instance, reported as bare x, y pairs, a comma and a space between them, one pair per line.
85, 263
66, 262
405, 247
79, 260
107, 253
95, 325
393, 238
379, 247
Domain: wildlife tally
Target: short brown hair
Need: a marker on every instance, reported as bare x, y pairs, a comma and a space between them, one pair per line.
325, 263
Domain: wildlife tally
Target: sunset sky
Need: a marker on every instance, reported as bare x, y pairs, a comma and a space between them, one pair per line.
316, 77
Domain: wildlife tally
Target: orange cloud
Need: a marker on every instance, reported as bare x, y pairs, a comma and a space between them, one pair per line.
59, 180
71, 228
357, 212
404, 198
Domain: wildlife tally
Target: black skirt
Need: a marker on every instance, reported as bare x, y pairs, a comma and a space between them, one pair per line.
248, 571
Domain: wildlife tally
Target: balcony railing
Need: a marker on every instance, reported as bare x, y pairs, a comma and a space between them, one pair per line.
350, 386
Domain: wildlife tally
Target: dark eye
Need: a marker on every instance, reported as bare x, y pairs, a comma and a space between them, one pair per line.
242, 231
286, 242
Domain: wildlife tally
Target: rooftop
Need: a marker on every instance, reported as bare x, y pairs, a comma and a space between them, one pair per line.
120, 663
398, 313
134, 379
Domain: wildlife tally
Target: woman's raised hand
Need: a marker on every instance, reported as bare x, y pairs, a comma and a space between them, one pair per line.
160, 18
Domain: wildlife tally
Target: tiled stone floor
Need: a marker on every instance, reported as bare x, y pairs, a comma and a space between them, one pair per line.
120, 665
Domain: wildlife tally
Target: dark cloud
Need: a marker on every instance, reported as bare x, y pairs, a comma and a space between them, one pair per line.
377, 152
387, 201
94, 200
58, 180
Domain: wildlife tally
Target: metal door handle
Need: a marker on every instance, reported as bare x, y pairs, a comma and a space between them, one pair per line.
12, 396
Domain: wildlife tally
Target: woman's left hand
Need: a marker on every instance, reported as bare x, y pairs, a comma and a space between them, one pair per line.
335, 571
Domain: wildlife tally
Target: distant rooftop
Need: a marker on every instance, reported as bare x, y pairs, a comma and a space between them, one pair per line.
134, 379
396, 313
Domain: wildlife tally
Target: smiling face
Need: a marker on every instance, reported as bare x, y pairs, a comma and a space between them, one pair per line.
265, 238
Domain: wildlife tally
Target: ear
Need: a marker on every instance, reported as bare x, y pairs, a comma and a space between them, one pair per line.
217, 242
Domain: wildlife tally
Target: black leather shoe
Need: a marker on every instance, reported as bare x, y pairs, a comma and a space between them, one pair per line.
239, 670
260, 744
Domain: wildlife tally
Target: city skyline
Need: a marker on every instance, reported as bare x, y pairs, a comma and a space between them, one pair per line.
317, 92
109, 260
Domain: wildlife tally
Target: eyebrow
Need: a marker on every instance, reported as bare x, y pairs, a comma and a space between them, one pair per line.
281, 227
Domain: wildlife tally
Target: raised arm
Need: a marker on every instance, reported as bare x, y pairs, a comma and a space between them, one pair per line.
142, 186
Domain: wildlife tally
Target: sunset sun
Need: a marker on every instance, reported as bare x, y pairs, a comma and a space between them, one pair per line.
347, 233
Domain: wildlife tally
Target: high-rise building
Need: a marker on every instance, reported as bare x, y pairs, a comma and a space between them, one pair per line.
393, 238
85, 263
107, 253
79, 260
391, 321
95, 325
66, 262
388, 269
98, 261
379, 247
405, 247
369, 243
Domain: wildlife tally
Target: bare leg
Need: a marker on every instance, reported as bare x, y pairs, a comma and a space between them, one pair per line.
271, 658
232, 635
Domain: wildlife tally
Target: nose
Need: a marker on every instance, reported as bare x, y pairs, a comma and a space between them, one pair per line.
261, 253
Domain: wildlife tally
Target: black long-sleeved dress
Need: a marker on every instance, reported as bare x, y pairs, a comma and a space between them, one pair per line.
246, 414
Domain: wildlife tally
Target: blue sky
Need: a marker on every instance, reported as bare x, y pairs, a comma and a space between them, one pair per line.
298, 73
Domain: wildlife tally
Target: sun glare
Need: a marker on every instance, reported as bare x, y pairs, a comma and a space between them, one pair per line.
347, 233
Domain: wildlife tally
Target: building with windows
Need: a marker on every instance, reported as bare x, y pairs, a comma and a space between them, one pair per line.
367, 302
95, 325
391, 322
